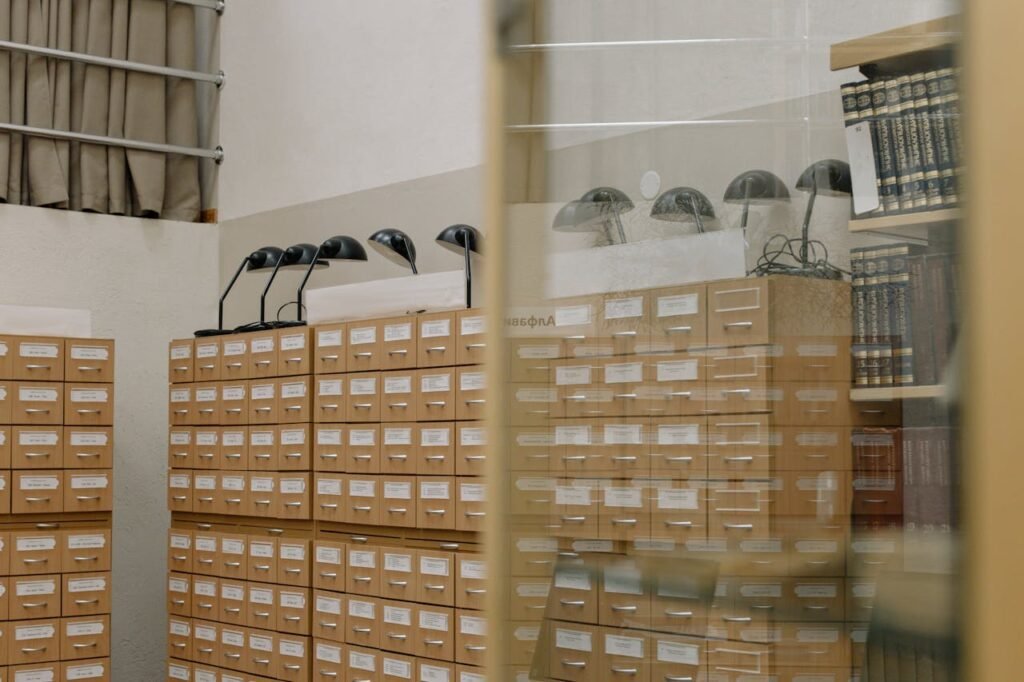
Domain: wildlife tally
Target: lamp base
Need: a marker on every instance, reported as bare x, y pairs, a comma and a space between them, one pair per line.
825, 271
288, 323
213, 332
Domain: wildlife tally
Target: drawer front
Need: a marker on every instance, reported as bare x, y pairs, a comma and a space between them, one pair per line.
625, 599
207, 447
436, 450
627, 381
528, 598
89, 360
179, 638
86, 594
741, 447
261, 607
818, 599
179, 550
435, 632
881, 413
824, 495
206, 551
819, 404
95, 669
436, 396
744, 397
179, 410
398, 501
295, 449
293, 564
294, 496
575, 654
815, 448
263, 355
435, 577
232, 556
206, 408
264, 407
234, 403
625, 511
235, 362
205, 493
330, 404
678, 447
38, 359
92, 447
364, 397
295, 406
471, 393
365, 347
471, 505
435, 508
809, 358
679, 511
263, 448
676, 658
233, 603
330, 356
471, 587
293, 608
232, 647
362, 622
329, 616
293, 658
363, 451
534, 404
329, 452
34, 597
329, 565
234, 448
262, 566
179, 490
398, 629
577, 508
531, 359
294, 354
399, 396
364, 502
89, 490
5, 492
471, 337
436, 345
399, 577
207, 367
261, 652
37, 492
626, 654
624, 319
877, 495
87, 549
675, 386
6, 434
574, 595
263, 496
37, 447
362, 664
38, 403
399, 343
739, 657
470, 449
205, 597
329, 502
678, 319
34, 641
398, 448
738, 313
181, 362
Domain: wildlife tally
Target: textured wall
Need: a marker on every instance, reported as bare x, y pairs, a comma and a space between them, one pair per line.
145, 282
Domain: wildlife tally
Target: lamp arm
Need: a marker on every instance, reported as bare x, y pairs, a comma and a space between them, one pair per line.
806, 230
746, 201
220, 311
263, 296
412, 260
469, 274
305, 280
618, 226
696, 215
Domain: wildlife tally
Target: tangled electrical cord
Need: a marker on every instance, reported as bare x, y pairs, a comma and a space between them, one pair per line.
779, 247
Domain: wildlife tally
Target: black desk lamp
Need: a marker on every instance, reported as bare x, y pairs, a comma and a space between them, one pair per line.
294, 257
683, 205
396, 246
261, 259
335, 248
755, 187
600, 208
829, 178
464, 239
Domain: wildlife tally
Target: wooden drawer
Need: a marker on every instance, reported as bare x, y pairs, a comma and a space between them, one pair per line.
6, 357
626, 654
85, 549
435, 632
471, 587
180, 405
329, 565
435, 454
234, 448
676, 657
329, 615
8, 393
181, 362
294, 354
627, 380
179, 550
362, 664
232, 557
625, 511
295, 402
363, 500
34, 597
295, 449
398, 627
263, 355
34, 641
89, 360
38, 358
93, 669
179, 638
435, 577
470, 449
328, 661
37, 447
38, 403
37, 492
624, 321
398, 400
471, 337
232, 648
206, 408
205, 597
293, 609
232, 496
264, 406
294, 496
435, 400
235, 363
207, 453
232, 602
89, 447
625, 598
261, 605
678, 447
575, 653
365, 347
204, 559
678, 319
293, 658
818, 599
577, 508
261, 652
878, 494
234, 403
364, 397
362, 622
739, 657
398, 501
89, 490
179, 490
263, 451
741, 447
329, 502
436, 346
399, 343
679, 511
329, 355
399, 578
738, 313
363, 451
533, 404
6, 434
330, 404
293, 562
86, 594
574, 595
204, 492
263, 497
207, 367
676, 385
262, 565
471, 505
328, 454
398, 450
5, 492
435, 507
471, 393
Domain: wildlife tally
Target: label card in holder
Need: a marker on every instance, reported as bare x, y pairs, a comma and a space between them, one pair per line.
94, 353
573, 315
38, 350
398, 332
361, 336
435, 328
328, 338
622, 308
434, 383
671, 306
470, 326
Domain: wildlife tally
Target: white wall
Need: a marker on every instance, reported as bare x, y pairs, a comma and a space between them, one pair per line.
328, 97
145, 282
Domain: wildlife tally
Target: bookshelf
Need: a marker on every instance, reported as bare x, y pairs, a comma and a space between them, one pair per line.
909, 225
897, 393
908, 48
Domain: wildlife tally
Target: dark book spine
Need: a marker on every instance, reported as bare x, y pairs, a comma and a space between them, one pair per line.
940, 136
886, 368
886, 163
872, 337
911, 478
903, 342
918, 196
858, 348
899, 141
951, 103
924, 354
926, 139
937, 271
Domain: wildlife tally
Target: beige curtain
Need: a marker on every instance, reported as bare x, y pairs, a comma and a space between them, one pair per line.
64, 95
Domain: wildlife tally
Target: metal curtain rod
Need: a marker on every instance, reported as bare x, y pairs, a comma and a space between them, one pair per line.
217, 154
215, 78
216, 5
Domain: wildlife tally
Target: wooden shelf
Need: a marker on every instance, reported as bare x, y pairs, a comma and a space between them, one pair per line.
897, 393
927, 45
913, 225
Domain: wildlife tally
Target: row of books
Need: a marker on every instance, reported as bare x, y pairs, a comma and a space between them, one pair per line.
905, 303
915, 133
921, 458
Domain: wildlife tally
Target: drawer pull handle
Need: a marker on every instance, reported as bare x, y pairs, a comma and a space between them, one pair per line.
173, 454
234, 365
398, 583
233, 455
87, 498
262, 614
328, 506
679, 614
574, 519
624, 671
92, 645
397, 510
262, 567
434, 588
293, 455
480, 458
325, 358
261, 661
226, 610
475, 346
400, 638
181, 412
264, 409
293, 360
470, 590
33, 455
574, 458
435, 458
292, 619
868, 501
739, 458
679, 458
262, 503
94, 557
328, 673
205, 499
362, 508
233, 657
201, 650
624, 522
736, 391
436, 512
178, 645
625, 609
626, 396
739, 526
36, 650
327, 574
362, 578
578, 603
476, 515
40, 410
325, 624
176, 602
738, 325
263, 363
679, 524
206, 455
328, 455
233, 564
234, 410
872, 411
399, 457
737, 619
575, 397
34, 605
205, 410
437, 349
624, 458
399, 405
574, 664
470, 647
818, 411
364, 354
207, 562
575, 337
815, 607
363, 406
262, 455
181, 368
362, 458
680, 330
434, 642
332, 406
475, 401
37, 367
626, 333
678, 678
293, 408
763, 607
179, 498
362, 631
401, 351
436, 403
37, 499
293, 504
681, 394
819, 366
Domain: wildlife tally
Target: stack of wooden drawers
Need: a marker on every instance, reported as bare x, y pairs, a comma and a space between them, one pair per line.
341, 492
709, 422
56, 499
